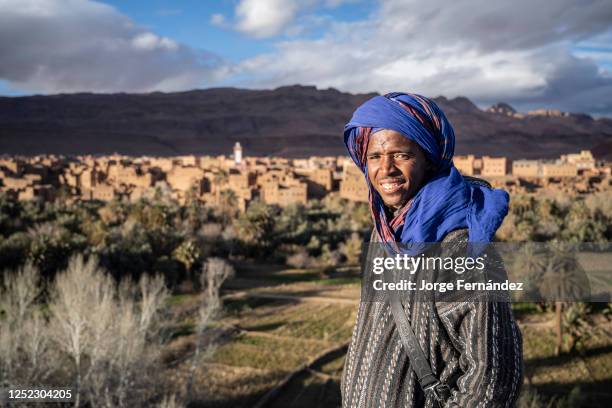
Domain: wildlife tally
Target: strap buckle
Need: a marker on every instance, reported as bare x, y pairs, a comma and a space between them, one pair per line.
440, 391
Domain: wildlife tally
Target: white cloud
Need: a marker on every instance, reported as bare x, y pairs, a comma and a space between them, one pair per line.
268, 18
80, 45
265, 18
553, 54
149, 41
519, 52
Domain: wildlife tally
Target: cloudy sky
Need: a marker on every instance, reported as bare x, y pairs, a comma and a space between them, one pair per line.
553, 54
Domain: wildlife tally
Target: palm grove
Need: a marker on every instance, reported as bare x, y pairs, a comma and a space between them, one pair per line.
68, 271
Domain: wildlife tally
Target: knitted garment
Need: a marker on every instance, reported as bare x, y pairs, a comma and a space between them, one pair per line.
474, 347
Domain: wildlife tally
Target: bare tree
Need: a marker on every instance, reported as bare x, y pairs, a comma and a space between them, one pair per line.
170, 401
214, 272
75, 299
36, 365
111, 333
153, 295
106, 330
23, 344
19, 292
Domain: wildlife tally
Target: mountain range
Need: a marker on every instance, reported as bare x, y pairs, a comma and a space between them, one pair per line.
291, 121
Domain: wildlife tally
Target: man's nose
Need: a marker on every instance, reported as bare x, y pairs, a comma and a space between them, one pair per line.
387, 166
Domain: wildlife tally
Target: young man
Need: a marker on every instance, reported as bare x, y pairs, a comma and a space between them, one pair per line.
404, 145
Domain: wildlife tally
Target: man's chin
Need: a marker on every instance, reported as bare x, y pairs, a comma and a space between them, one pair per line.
394, 202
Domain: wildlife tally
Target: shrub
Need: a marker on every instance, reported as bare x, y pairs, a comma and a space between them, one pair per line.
351, 248
578, 324
300, 259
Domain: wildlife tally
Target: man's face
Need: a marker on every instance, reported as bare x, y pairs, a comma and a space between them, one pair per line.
397, 167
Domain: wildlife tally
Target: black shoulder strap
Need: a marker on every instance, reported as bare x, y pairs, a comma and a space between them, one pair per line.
427, 379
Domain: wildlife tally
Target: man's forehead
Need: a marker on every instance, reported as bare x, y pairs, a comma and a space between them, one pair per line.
390, 139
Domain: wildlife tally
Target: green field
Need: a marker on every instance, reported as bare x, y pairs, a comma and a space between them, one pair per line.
283, 345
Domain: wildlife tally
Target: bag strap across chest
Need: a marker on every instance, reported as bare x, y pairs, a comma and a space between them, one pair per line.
426, 377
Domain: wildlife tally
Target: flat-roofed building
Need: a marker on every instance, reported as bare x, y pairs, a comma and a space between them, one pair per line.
242, 183
138, 192
559, 169
187, 161
465, 164
301, 163
102, 192
526, 168
583, 160
241, 179
184, 178
353, 186
70, 179
323, 177
293, 192
14, 165
164, 164
26, 194
494, 166
44, 192
14, 183
88, 178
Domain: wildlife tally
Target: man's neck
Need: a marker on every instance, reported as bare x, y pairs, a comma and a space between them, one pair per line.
396, 211
392, 212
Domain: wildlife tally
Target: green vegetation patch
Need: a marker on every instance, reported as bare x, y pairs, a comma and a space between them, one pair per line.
538, 343
340, 281
553, 375
246, 304
179, 299
266, 353
328, 322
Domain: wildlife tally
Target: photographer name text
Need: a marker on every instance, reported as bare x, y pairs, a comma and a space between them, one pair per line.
459, 284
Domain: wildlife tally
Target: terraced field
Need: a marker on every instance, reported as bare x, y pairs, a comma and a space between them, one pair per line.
283, 334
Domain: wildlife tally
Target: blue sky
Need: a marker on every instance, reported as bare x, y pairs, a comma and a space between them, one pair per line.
189, 23
553, 54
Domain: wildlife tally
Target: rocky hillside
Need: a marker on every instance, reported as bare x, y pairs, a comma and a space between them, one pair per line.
289, 121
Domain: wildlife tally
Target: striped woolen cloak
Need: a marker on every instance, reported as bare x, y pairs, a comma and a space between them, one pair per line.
475, 347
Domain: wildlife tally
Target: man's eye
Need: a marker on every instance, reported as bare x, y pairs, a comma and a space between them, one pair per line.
374, 157
401, 156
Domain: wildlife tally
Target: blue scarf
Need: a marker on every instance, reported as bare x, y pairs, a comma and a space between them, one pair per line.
446, 202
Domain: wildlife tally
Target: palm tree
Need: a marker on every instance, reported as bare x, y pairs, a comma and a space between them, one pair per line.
529, 264
220, 180
188, 254
228, 202
255, 225
563, 280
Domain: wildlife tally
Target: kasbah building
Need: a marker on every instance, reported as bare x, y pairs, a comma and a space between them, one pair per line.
274, 180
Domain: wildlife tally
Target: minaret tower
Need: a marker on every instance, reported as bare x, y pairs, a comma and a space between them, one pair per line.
237, 154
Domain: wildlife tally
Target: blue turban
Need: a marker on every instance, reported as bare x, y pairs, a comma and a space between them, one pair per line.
447, 201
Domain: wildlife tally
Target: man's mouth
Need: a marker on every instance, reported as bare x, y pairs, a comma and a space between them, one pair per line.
391, 187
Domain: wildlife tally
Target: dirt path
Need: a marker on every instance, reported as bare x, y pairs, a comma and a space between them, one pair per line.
291, 298
307, 370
